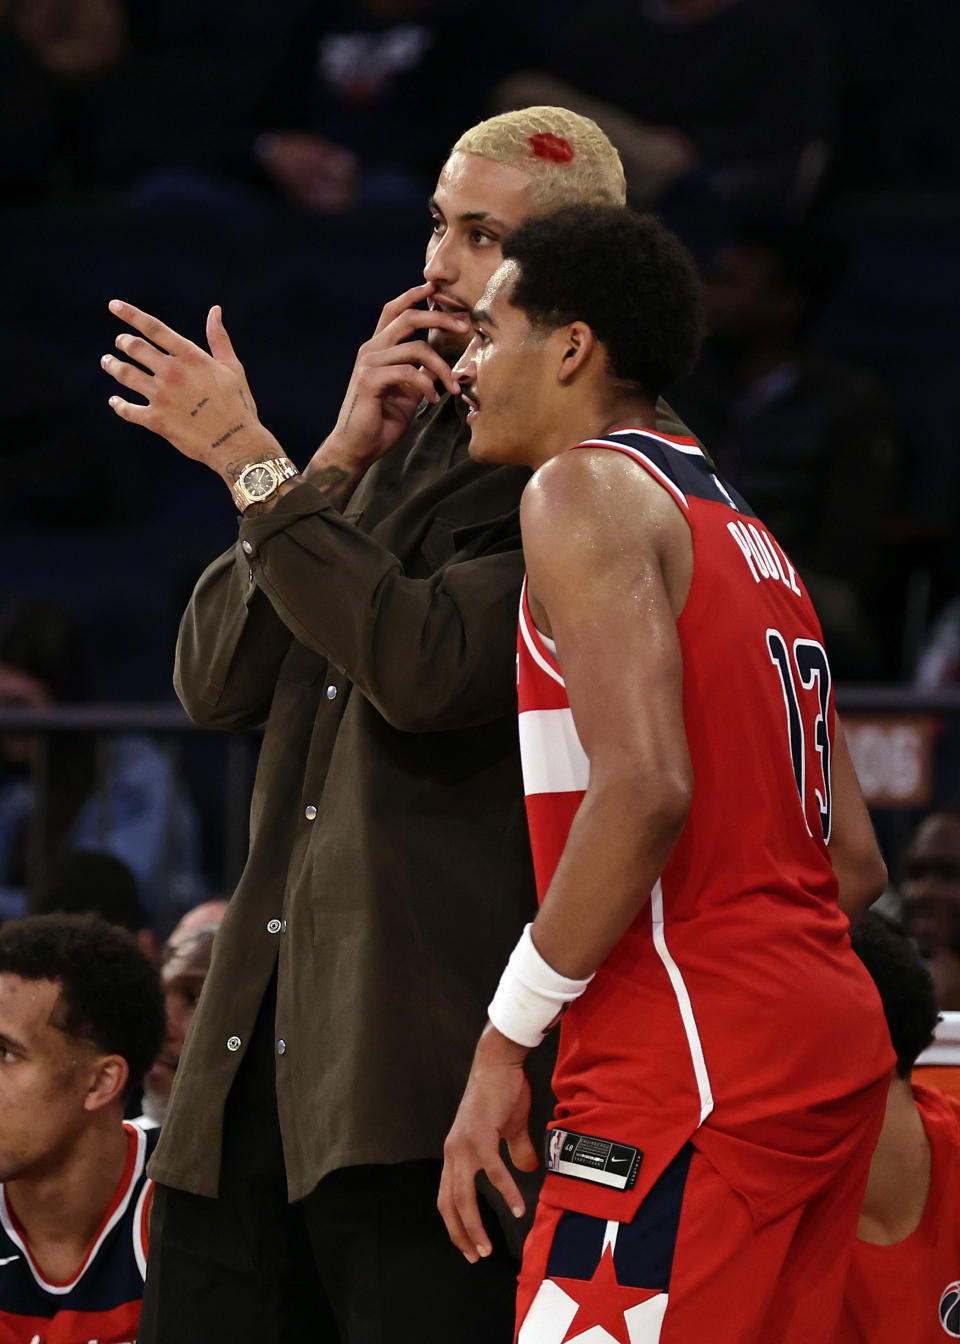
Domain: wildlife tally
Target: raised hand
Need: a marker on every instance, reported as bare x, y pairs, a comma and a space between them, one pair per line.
199, 402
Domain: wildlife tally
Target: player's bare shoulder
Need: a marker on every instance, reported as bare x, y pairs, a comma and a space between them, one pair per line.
594, 478
597, 502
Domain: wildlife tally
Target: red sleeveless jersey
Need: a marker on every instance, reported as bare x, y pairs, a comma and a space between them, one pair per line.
733, 1011
911, 1291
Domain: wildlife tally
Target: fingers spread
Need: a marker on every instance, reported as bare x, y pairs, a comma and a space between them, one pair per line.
135, 347
523, 1155
128, 374
151, 327
453, 1222
128, 410
501, 1180
221, 346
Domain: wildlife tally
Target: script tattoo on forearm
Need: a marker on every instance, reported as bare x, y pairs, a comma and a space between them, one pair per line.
199, 404
223, 437
346, 423
243, 398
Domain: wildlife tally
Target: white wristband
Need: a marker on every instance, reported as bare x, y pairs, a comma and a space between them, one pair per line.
531, 995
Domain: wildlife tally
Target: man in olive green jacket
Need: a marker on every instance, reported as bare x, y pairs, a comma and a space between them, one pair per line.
367, 614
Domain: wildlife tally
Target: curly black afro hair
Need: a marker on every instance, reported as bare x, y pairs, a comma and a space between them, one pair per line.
625, 275
110, 993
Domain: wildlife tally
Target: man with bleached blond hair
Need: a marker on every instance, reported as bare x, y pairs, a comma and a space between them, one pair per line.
367, 615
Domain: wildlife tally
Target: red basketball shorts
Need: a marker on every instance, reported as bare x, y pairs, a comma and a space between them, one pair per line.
692, 1265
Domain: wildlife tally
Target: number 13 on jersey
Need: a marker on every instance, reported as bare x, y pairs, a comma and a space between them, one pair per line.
805, 666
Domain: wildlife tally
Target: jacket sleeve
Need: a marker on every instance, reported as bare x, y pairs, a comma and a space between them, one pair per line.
429, 653
230, 647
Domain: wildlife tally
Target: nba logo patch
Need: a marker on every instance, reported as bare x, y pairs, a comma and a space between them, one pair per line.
950, 1309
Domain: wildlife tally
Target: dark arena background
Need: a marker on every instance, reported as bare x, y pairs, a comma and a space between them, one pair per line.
277, 158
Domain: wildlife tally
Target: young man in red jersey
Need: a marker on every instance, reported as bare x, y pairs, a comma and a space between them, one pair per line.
723, 1057
81, 1018
904, 1276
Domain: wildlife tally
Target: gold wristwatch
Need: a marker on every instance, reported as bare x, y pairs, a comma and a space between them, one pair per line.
261, 480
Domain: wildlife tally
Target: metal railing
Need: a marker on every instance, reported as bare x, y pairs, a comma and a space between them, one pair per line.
897, 737
220, 798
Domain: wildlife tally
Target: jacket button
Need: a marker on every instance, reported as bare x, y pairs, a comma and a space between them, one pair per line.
331, 692
310, 812
281, 1047
246, 547
274, 926
233, 1043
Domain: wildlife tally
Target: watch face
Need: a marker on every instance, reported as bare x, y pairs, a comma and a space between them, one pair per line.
258, 481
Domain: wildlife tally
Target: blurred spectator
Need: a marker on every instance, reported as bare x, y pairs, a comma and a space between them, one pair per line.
904, 1262
89, 882
734, 98
81, 1017
930, 900
185, 963
123, 798
806, 438
50, 52
384, 89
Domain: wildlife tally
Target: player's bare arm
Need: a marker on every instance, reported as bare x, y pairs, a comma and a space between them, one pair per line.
856, 858
609, 564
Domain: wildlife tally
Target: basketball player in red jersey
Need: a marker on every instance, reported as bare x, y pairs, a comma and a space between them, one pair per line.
81, 1018
723, 1057
904, 1278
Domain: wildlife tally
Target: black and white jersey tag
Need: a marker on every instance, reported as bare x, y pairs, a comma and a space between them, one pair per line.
602, 1161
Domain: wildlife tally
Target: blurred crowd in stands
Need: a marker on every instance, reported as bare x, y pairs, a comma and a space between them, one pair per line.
277, 159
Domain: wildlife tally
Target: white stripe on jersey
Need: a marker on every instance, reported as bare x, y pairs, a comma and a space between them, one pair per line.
551, 754
139, 1218
530, 637
691, 449
683, 1003
655, 471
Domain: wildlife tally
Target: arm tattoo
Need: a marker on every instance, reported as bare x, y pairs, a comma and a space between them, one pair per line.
243, 398
223, 437
236, 469
353, 404
199, 404
334, 484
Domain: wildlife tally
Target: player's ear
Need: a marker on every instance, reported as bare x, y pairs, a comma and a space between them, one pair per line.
109, 1076
576, 344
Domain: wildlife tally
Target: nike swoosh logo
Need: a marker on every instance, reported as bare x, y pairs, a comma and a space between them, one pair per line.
8, 1259
619, 1161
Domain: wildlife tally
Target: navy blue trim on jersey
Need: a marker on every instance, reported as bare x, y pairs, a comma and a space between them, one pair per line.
643, 1254
686, 466
111, 1279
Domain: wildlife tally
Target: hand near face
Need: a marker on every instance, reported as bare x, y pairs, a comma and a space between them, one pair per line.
199, 402
393, 373
495, 1106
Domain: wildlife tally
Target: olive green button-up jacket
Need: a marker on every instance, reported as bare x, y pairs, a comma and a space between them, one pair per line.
389, 869
389, 872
